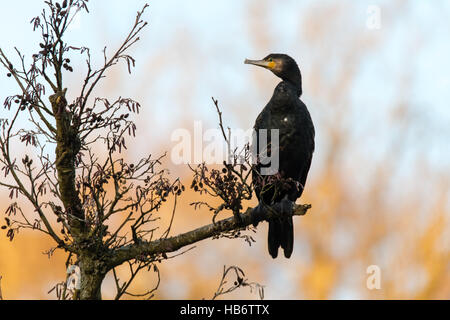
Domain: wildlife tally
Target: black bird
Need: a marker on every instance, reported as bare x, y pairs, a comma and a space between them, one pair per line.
287, 113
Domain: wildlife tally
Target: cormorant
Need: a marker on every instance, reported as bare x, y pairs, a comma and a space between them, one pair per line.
287, 113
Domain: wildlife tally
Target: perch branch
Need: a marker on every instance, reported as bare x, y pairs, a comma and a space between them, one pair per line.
172, 244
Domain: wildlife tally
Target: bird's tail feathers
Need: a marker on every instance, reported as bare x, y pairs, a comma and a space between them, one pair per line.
274, 237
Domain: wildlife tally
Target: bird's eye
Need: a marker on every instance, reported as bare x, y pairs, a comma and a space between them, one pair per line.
270, 59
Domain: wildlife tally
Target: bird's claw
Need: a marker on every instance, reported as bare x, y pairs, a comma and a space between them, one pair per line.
285, 207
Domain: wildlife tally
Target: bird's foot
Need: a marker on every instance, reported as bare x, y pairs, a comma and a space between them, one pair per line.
285, 207
257, 214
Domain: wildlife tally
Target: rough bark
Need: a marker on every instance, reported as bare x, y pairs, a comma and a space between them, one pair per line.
92, 274
67, 147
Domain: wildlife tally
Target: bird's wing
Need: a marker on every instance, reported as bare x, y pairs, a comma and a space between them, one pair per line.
308, 144
262, 122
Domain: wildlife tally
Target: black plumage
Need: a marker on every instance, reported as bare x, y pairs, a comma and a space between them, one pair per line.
287, 113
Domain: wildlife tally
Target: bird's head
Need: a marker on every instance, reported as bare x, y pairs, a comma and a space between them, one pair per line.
283, 66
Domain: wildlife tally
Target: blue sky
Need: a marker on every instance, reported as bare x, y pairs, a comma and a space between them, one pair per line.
221, 39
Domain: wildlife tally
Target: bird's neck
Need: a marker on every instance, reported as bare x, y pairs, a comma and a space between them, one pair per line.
294, 78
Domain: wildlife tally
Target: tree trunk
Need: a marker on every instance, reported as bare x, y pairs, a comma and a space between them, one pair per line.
67, 147
92, 275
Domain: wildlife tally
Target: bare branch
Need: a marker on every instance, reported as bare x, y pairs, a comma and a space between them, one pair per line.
240, 281
209, 231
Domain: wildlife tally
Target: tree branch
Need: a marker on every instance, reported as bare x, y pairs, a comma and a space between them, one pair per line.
172, 244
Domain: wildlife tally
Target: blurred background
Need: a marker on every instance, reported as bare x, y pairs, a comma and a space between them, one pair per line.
376, 79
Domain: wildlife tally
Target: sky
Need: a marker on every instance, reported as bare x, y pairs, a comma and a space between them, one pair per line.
220, 40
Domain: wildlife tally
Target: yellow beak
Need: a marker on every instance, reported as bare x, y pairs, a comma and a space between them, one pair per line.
261, 63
